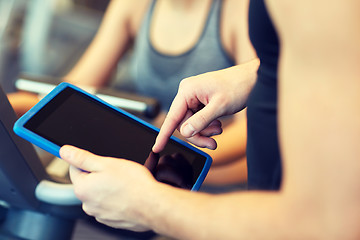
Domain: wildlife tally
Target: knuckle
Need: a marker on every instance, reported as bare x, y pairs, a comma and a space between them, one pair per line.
202, 120
184, 83
80, 192
81, 157
88, 210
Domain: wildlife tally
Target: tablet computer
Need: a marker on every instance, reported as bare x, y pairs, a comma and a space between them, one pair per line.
69, 115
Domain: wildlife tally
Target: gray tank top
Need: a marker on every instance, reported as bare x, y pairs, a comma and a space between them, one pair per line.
158, 75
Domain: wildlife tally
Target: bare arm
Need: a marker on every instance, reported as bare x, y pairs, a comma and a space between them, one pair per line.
22, 101
319, 109
111, 41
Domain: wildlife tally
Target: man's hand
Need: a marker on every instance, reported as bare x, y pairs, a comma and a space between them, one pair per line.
202, 99
111, 189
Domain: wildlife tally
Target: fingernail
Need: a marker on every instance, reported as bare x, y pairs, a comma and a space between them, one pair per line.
210, 147
189, 130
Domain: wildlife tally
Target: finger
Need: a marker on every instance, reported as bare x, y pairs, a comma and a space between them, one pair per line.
215, 123
187, 115
152, 161
174, 117
79, 181
81, 159
76, 174
213, 129
203, 141
200, 120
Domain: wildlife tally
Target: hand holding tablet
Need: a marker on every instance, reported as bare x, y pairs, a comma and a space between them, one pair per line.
71, 116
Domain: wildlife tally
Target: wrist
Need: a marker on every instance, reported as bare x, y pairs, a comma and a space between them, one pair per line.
155, 205
147, 203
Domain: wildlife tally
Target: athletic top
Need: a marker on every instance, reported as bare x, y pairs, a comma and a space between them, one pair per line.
264, 164
158, 75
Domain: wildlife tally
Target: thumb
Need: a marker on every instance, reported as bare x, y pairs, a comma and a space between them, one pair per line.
80, 158
200, 120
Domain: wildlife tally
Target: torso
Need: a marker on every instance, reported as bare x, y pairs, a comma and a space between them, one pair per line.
158, 67
168, 27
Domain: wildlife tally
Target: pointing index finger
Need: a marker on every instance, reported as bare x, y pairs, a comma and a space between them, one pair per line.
174, 117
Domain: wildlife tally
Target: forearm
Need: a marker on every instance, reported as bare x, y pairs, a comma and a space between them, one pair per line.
248, 215
94, 68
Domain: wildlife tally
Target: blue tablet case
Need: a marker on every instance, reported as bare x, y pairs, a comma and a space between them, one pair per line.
54, 149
